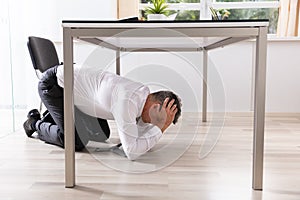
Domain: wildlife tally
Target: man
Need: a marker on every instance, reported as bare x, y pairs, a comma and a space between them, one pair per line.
141, 117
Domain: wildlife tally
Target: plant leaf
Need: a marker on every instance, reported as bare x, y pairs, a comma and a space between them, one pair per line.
159, 7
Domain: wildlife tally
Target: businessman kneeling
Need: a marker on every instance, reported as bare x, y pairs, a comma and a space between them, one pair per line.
141, 117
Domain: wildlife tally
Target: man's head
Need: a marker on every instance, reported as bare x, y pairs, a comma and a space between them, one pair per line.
160, 96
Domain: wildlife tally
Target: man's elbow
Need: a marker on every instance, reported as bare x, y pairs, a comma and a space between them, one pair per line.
132, 154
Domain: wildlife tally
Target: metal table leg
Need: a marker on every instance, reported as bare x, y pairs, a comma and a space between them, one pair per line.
69, 109
118, 70
204, 91
259, 108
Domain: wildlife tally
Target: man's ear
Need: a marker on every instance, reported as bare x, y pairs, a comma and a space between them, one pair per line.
157, 117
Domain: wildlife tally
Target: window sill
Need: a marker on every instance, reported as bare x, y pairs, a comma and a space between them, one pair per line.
275, 38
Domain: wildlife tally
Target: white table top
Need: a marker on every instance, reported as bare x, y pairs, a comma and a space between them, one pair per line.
163, 24
138, 35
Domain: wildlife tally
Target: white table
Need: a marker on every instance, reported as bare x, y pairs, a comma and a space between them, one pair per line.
167, 36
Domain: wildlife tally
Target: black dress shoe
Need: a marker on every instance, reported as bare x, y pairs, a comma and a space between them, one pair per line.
34, 113
29, 125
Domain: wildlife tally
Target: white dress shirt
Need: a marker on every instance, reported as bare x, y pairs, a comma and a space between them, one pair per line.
108, 96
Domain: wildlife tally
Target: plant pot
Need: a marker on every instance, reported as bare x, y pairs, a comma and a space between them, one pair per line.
152, 17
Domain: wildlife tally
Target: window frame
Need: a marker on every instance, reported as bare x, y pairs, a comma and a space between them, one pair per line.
218, 5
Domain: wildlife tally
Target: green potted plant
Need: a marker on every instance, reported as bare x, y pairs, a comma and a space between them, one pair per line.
157, 11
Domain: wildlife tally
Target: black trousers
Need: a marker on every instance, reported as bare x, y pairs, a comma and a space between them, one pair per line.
52, 131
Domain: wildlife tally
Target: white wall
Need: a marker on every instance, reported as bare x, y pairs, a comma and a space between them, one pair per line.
43, 18
283, 89
283, 70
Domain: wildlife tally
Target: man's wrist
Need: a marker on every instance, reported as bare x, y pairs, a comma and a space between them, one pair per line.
164, 128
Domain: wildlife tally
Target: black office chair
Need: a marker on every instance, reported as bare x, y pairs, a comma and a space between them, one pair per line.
43, 55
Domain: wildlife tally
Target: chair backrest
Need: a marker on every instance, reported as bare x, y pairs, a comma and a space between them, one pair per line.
43, 53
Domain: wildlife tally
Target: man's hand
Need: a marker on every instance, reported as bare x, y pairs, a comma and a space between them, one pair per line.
163, 115
171, 110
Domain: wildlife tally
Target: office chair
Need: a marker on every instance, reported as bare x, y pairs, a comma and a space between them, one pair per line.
43, 55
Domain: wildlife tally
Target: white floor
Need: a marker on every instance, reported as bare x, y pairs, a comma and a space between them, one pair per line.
30, 169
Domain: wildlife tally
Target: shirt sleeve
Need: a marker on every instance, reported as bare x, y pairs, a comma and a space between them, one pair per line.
136, 140
60, 75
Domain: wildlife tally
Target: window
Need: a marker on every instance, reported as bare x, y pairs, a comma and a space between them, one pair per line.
235, 9
6, 81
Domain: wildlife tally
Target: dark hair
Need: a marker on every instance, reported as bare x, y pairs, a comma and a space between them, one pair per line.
160, 96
